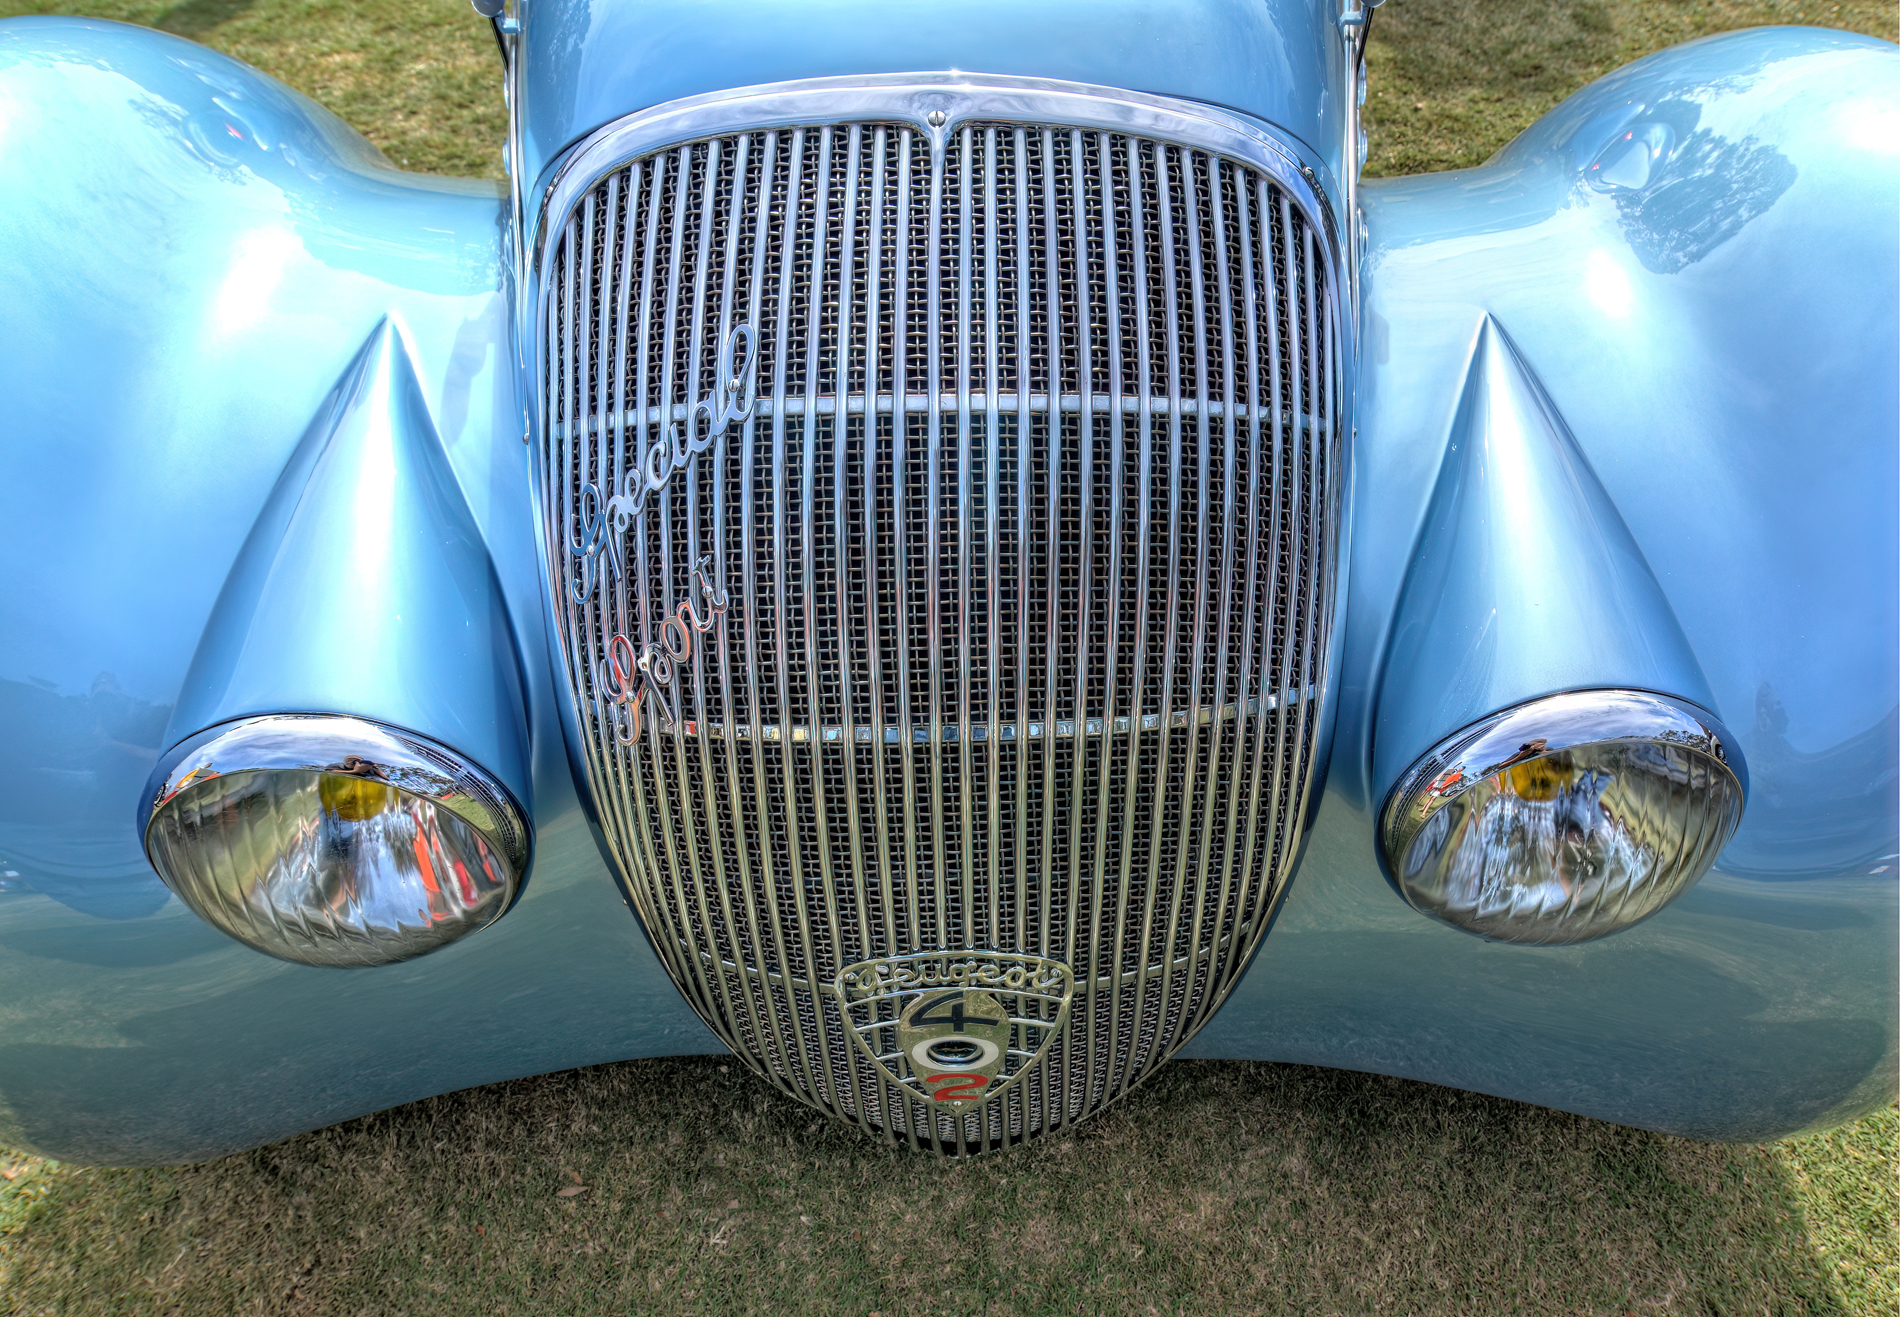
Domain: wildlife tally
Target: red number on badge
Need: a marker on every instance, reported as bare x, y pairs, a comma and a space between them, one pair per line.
961, 1087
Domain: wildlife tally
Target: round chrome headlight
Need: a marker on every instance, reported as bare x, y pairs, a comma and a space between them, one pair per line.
1566, 818
333, 840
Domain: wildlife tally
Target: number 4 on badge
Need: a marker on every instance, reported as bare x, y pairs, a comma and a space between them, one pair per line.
955, 1018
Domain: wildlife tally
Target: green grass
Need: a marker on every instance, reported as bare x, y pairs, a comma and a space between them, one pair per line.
1221, 1187
1451, 81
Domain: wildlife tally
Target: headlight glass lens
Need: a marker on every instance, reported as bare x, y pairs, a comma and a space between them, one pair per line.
1566, 818
334, 841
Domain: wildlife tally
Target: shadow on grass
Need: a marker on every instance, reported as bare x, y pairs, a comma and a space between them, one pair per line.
1221, 1187
193, 18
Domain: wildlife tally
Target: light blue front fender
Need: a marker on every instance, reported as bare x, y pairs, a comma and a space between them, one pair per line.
227, 320
1702, 505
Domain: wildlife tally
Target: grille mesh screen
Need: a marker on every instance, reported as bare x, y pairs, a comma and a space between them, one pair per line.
1026, 542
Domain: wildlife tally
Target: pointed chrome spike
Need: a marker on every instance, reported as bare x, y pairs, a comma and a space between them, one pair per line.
1525, 580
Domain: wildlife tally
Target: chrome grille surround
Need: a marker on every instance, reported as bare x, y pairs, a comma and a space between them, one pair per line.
856, 671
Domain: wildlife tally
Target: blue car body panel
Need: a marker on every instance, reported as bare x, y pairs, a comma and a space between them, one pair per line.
1683, 365
196, 257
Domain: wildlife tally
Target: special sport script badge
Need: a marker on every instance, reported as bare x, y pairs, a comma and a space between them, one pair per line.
956, 1027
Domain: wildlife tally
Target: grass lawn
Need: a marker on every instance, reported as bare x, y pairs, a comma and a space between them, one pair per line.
1222, 1187
686, 1186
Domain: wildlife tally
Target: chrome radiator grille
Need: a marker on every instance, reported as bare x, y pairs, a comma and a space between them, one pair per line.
942, 519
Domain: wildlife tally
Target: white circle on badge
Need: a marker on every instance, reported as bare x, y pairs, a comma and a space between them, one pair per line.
987, 1051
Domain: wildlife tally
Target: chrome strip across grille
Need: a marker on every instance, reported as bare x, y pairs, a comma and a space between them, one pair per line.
991, 429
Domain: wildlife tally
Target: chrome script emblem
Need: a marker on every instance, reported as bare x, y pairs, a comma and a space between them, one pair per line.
626, 678
630, 675
956, 1027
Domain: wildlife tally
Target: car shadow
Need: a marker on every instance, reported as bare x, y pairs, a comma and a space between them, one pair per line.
691, 1185
194, 17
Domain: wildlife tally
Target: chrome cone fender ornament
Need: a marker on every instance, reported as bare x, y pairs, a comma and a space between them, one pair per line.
956, 1027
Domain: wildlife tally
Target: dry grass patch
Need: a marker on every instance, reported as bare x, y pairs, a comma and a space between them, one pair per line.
1451, 81
1223, 1187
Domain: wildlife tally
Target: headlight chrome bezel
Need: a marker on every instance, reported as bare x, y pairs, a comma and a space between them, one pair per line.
1532, 753
355, 772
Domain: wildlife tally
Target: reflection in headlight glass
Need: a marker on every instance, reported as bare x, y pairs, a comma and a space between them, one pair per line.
1549, 845
1572, 845
327, 868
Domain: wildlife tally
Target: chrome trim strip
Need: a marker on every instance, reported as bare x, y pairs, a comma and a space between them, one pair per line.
936, 104
950, 733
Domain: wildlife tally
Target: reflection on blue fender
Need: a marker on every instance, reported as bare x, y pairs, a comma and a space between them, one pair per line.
1620, 413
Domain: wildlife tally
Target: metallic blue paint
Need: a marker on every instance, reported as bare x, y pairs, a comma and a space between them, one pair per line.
364, 561
195, 257
1692, 259
1524, 582
1722, 345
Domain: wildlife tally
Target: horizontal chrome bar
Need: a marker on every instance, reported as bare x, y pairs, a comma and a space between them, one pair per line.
933, 105
951, 734
918, 404
891, 1022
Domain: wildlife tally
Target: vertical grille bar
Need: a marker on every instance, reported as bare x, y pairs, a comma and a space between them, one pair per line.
1133, 1057
1235, 832
1192, 204
794, 1066
959, 933
992, 634
632, 793
687, 748
1084, 444
1024, 516
815, 1081
1313, 454
1052, 382
933, 561
943, 526
900, 545
717, 762
1138, 155
1224, 593
901, 459
1105, 146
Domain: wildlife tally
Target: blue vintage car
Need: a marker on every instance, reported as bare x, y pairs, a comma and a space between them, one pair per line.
957, 553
